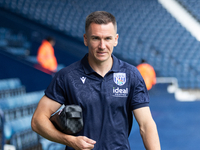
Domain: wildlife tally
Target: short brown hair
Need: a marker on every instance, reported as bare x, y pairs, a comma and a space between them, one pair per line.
100, 17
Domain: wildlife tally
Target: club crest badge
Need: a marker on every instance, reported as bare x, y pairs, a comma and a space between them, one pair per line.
119, 78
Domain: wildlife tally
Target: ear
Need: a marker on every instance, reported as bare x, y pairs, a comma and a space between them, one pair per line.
85, 39
116, 39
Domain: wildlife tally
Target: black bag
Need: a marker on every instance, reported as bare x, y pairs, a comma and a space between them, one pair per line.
68, 119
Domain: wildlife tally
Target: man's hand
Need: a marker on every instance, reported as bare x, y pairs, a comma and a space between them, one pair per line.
83, 143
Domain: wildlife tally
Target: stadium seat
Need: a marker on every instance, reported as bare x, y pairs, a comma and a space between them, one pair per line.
20, 134
49, 145
11, 83
19, 106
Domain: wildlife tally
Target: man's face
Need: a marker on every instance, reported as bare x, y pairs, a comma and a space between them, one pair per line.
100, 39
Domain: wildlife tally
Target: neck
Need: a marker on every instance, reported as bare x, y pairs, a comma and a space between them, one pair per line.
101, 67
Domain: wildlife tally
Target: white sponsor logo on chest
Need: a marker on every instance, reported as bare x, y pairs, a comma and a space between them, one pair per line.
117, 92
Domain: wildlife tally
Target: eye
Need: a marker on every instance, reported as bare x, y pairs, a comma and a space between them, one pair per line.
95, 38
108, 38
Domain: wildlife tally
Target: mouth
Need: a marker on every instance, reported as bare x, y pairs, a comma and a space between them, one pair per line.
101, 53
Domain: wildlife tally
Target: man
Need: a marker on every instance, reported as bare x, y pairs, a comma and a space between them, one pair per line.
107, 89
45, 56
148, 74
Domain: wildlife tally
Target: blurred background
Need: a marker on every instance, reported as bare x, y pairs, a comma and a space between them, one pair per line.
166, 33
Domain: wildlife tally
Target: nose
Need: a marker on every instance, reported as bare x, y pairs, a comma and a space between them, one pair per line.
102, 45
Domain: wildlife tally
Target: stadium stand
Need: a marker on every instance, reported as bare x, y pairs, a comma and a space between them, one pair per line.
3, 35
11, 87
151, 33
146, 30
16, 44
17, 106
49, 145
26, 139
19, 133
16, 113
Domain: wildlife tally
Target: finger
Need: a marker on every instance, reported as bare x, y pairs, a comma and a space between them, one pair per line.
90, 141
89, 147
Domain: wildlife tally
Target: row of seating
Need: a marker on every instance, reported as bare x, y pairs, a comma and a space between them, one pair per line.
19, 106
15, 119
10, 83
18, 51
16, 44
7, 38
26, 139
15, 116
4, 33
49, 145
11, 87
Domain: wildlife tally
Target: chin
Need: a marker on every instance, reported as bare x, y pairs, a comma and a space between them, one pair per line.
102, 59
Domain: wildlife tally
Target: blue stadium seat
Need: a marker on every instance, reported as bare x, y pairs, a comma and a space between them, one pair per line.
20, 134
11, 83
49, 145
26, 139
19, 106
19, 51
12, 92
16, 119
17, 125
